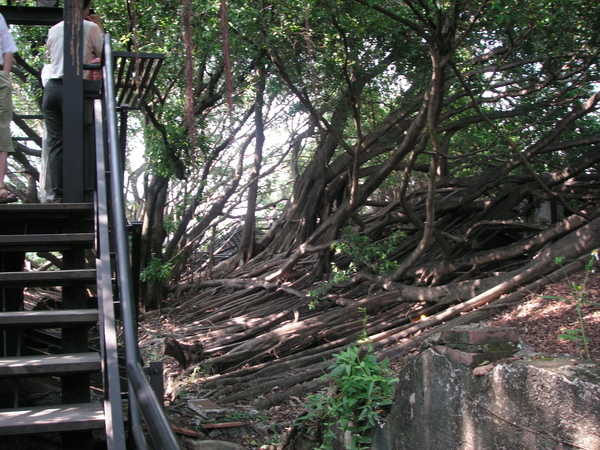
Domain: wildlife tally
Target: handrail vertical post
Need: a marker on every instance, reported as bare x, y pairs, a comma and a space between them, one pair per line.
73, 143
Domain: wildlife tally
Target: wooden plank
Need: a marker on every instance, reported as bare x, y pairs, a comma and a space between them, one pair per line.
49, 364
48, 242
50, 419
31, 15
48, 319
186, 431
48, 278
43, 209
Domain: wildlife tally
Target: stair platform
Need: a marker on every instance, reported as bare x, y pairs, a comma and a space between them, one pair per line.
47, 319
50, 364
19, 210
46, 242
51, 419
48, 278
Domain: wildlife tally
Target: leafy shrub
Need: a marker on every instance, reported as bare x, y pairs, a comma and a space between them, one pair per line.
156, 271
367, 255
373, 257
361, 388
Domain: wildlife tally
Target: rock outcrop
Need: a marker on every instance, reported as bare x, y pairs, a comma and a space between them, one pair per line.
452, 396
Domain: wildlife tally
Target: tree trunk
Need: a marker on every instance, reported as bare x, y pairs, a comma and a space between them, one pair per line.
249, 233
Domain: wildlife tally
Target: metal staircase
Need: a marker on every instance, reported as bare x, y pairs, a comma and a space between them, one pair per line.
96, 405
69, 230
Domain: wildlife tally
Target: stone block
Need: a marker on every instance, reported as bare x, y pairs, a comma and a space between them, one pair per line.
511, 347
480, 335
472, 359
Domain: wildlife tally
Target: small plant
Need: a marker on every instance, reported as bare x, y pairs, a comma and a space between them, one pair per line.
579, 295
237, 416
152, 354
156, 271
361, 388
322, 289
368, 255
373, 257
195, 375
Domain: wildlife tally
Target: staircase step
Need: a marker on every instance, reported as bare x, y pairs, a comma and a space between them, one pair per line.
18, 211
48, 278
49, 364
46, 242
47, 319
51, 419
37, 218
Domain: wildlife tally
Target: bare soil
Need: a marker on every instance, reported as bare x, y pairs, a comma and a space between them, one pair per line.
542, 318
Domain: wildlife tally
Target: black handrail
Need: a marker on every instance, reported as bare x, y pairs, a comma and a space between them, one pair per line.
141, 398
113, 403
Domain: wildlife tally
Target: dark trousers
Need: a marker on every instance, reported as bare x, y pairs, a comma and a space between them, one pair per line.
52, 108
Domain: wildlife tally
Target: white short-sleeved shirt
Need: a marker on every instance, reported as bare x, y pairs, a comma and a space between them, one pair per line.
93, 39
7, 44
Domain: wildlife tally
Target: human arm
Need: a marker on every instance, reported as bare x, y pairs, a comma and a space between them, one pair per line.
95, 37
7, 46
7, 61
95, 18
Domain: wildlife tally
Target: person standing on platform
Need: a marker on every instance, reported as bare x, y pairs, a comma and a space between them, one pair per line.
52, 107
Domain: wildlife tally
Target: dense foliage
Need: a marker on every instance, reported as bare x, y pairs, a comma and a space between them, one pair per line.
426, 117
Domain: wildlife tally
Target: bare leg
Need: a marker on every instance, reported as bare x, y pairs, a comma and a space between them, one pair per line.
5, 196
3, 167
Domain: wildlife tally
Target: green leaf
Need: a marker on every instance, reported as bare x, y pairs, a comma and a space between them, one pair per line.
337, 371
572, 335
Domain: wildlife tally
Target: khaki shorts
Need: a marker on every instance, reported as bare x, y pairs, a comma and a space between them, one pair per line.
6, 112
